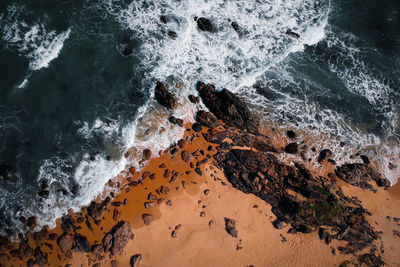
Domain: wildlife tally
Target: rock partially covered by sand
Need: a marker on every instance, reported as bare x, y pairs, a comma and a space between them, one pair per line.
117, 238
230, 227
164, 97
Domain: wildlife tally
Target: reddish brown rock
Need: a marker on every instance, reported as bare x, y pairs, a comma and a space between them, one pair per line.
164, 97
186, 156
147, 218
230, 227
146, 154
135, 260
117, 238
65, 242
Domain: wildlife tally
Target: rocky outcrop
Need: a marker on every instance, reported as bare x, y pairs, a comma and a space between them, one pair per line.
360, 174
65, 242
164, 97
227, 107
206, 119
117, 238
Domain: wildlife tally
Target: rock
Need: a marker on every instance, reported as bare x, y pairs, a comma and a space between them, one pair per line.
117, 238
291, 134
172, 34
162, 190
194, 99
114, 263
6, 172
116, 214
147, 218
227, 107
235, 26
206, 192
32, 222
173, 234
97, 249
365, 159
186, 156
197, 127
65, 242
278, 224
176, 121
96, 265
82, 243
292, 148
151, 196
164, 97
95, 210
198, 171
359, 174
148, 205
230, 227
168, 203
204, 24
324, 154
293, 34
146, 154
207, 119
210, 223
135, 260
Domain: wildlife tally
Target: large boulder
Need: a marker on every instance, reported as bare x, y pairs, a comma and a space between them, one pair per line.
207, 119
227, 107
204, 24
117, 238
164, 97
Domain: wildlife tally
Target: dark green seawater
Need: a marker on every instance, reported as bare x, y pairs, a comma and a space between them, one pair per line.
76, 76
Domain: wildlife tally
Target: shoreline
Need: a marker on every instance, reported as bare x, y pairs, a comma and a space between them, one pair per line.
155, 242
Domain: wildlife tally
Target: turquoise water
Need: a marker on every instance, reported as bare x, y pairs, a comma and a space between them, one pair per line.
76, 76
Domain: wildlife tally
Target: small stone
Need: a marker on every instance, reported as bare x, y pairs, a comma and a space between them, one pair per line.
147, 218
206, 192
135, 260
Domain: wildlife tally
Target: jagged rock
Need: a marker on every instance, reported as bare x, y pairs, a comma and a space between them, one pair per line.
204, 24
227, 107
206, 119
97, 249
360, 174
135, 260
147, 218
164, 97
32, 222
65, 242
230, 227
96, 210
117, 238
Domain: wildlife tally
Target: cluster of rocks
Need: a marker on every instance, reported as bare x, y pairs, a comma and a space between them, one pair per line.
321, 206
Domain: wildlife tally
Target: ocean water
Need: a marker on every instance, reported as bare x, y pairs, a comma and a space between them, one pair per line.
72, 101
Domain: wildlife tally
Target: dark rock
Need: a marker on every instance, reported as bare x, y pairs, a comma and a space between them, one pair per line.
32, 222
227, 107
293, 34
114, 263
176, 121
82, 243
162, 190
172, 34
292, 148
204, 24
147, 218
97, 249
65, 242
360, 174
198, 171
206, 192
6, 172
206, 119
164, 97
197, 127
135, 260
168, 203
291, 134
235, 26
194, 99
324, 154
230, 227
365, 159
117, 238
